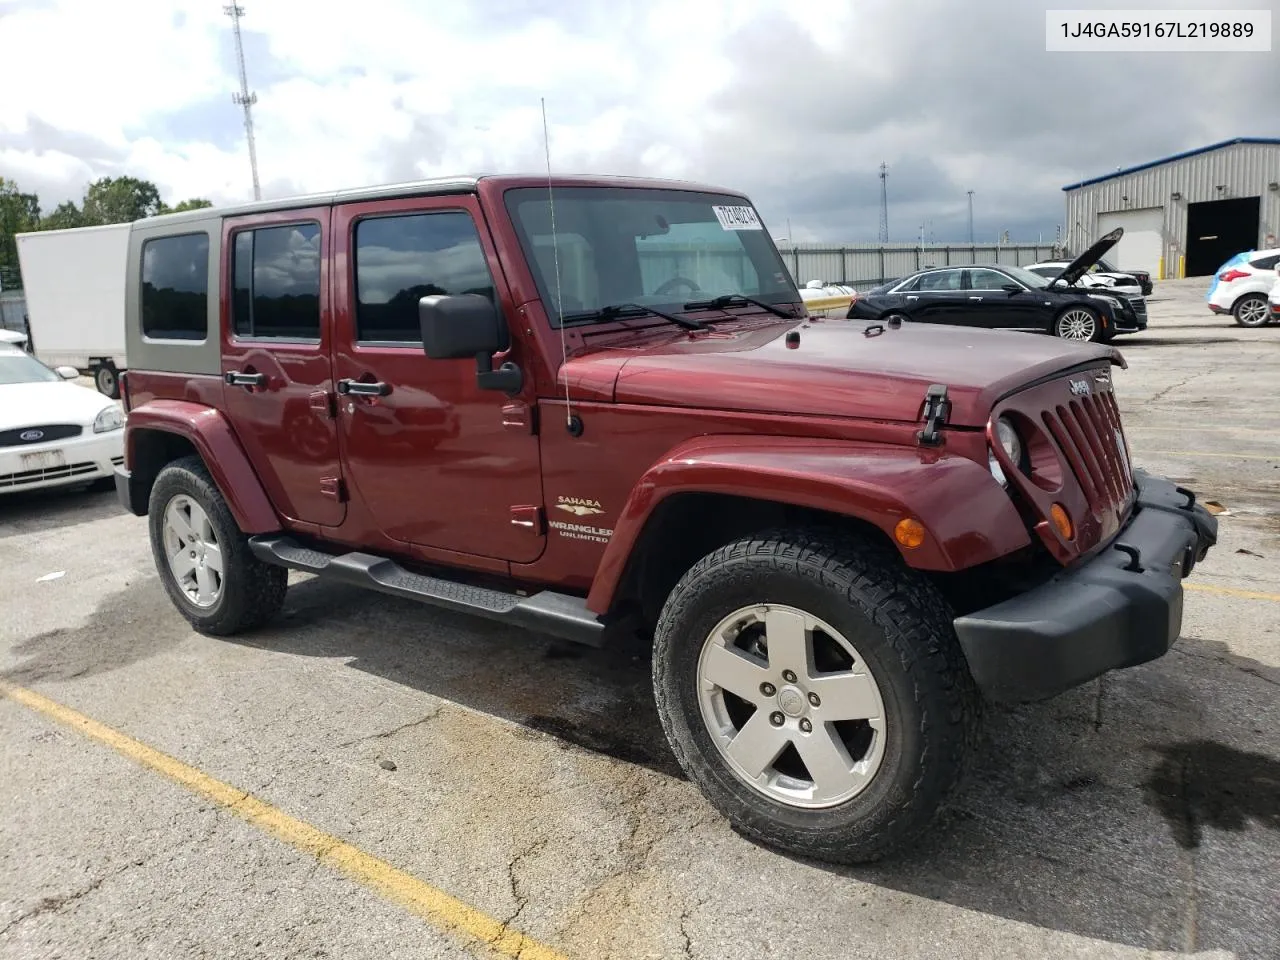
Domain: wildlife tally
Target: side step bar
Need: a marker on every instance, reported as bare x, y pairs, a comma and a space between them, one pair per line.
557, 614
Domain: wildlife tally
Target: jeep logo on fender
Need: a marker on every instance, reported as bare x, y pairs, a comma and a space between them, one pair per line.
1081, 388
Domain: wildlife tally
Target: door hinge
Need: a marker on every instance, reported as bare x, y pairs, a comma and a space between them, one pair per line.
936, 409
333, 488
528, 518
324, 403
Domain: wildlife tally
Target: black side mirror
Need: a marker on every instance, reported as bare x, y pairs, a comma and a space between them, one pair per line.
469, 325
1011, 288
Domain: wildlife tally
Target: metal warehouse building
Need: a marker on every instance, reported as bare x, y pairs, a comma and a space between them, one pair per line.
1185, 215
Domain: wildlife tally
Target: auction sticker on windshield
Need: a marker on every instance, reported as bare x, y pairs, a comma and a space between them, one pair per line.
738, 218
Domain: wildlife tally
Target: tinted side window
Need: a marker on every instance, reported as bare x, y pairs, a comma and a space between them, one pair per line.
942, 280
399, 260
276, 273
175, 287
987, 280
1265, 263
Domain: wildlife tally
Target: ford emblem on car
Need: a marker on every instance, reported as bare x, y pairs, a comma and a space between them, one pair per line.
1080, 388
31, 436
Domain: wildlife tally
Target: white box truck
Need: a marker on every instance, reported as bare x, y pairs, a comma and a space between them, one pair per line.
74, 281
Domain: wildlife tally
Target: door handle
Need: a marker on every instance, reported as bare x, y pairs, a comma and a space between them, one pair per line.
358, 388
975, 298
911, 296
235, 378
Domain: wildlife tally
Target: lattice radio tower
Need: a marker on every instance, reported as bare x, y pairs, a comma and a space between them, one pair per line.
884, 204
244, 97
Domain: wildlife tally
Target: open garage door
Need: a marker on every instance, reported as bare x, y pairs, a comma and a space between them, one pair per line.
1143, 242
1218, 230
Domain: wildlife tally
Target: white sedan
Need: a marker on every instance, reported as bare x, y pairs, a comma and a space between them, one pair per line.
52, 432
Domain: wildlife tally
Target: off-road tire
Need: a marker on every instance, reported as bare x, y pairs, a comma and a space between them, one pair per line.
252, 591
901, 627
1255, 306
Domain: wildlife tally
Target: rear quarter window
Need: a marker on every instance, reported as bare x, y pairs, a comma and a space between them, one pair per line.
1265, 263
175, 287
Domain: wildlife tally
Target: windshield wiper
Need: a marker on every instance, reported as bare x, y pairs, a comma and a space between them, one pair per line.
615, 311
738, 300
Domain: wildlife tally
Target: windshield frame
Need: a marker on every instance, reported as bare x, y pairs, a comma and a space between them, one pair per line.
33, 364
588, 317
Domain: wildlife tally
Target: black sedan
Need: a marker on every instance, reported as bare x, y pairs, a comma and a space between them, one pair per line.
1002, 297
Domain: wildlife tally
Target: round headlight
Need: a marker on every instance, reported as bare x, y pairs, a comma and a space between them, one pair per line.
1009, 440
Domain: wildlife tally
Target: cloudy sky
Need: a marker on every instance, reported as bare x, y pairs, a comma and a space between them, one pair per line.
795, 101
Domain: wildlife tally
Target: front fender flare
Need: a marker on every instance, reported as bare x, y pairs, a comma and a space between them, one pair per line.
968, 518
210, 433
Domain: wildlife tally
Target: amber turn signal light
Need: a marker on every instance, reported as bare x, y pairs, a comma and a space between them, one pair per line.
909, 532
1058, 514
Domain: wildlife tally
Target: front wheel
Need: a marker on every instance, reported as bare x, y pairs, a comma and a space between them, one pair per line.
203, 559
1078, 323
107, 380
1251, 311
813, 688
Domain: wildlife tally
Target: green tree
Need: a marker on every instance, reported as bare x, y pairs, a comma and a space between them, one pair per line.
195, 203
120, 200
65, 214
19, 213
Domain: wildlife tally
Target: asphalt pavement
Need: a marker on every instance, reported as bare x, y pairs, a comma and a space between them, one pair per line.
374, 778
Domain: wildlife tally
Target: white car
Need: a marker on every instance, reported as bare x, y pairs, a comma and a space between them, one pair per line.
52, 432
1241, 285
1273, 301
1121, 283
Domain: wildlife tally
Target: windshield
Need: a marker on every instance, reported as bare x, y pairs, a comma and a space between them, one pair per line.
1026, 277
655, 248
20, 368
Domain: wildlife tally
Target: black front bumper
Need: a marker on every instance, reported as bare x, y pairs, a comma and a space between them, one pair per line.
1120, 608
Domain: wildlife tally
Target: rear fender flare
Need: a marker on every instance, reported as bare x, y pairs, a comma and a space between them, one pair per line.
211, 435
968, 518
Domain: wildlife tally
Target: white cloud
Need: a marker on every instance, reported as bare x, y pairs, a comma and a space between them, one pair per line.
795, 102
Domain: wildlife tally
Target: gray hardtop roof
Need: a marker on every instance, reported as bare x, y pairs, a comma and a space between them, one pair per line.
421, 188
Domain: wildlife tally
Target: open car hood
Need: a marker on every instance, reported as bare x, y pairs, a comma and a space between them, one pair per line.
1078, 267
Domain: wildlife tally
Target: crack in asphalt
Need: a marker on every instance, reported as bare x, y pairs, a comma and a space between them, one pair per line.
520, 899
1227, 662
1160, 395
386, 734
56, 903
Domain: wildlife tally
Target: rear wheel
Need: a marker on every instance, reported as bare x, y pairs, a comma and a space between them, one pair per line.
813, 688
1251, 310
202, 557
1078, 323
107, 380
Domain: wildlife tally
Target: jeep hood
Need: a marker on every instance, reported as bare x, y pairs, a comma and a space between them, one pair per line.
839, 368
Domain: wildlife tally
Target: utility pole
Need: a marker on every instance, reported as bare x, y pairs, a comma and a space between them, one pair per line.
884, 204
970, 216
244, 97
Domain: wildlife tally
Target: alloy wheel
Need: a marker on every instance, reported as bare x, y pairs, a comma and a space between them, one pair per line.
793, 709
1252, 312
1077, 324
194, 553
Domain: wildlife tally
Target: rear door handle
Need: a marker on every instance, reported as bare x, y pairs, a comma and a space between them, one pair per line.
236, 378
358, 388
975, 298
912, 297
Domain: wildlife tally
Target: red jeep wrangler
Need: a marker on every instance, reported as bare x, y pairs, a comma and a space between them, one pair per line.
582, 406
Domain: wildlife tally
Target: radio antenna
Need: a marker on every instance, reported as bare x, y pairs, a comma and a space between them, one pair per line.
572, 424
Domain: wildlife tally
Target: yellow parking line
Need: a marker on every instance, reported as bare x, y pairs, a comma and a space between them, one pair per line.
1205, 453
417, 896
1232, 592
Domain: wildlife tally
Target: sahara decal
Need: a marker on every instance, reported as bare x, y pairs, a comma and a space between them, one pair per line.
579, 506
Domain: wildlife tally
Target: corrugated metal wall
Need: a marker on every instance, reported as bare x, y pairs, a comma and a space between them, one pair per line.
866, 264
1243, 169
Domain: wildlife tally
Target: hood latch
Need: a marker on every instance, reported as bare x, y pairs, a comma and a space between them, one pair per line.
936, 409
